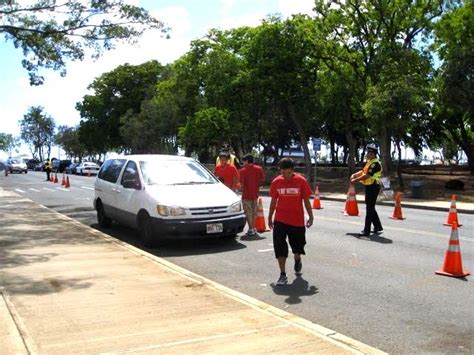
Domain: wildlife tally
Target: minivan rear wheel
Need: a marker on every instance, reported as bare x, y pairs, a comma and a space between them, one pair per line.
102, 219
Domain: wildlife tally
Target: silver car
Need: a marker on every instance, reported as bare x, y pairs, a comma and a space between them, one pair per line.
16, 165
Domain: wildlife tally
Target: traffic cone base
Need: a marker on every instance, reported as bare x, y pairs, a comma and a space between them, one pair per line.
260, 224
452, 265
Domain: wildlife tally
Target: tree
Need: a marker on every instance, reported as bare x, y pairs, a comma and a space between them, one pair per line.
51, 32
205, 129
37, 130
68, 139
455, 83
116, 94
8, 142
368, 33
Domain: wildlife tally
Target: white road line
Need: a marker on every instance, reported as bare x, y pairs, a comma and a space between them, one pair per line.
264, 250
87, 187
45, 188
32, 189
62, 189
21, 191
82, 198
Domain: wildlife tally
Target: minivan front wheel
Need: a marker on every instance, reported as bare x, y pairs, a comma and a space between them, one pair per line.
146, 230
102, 219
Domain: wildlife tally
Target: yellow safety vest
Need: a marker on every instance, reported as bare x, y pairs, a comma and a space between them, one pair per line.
376, 177
231, 160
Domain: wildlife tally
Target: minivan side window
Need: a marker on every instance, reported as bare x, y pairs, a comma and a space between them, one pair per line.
130, 176
111, 169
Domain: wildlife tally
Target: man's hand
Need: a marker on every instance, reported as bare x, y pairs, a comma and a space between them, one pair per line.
309, 222
270, 223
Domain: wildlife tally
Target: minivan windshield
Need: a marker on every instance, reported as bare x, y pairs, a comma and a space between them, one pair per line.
175, 172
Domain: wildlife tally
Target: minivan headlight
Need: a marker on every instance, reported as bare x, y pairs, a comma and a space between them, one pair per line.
167, 211
236, 207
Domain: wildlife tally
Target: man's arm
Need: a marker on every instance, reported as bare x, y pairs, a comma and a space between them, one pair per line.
309, 210
271, 211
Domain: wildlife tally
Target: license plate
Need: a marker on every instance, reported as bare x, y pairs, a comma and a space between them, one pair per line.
214, 228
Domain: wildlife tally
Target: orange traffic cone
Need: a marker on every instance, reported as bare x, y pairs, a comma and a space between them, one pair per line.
51, 178
67, 182
63, 181
397, 212
316, 201
260, 224
453, 214
351, 208
452, 260
56, 178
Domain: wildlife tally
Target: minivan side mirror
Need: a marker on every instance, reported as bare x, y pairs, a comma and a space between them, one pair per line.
131, 184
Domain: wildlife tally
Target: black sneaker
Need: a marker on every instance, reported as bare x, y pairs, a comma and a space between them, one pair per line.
378, 231
298, 265
282, 281
363, 233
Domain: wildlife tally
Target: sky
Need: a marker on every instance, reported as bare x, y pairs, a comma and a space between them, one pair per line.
189, 20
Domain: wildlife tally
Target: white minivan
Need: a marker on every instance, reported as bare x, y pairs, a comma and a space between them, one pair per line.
166, 197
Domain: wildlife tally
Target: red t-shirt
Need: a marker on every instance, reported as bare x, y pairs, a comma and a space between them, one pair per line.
251, 177
290, 195
227, 173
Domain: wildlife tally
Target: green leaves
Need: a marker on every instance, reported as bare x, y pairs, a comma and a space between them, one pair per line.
50, 33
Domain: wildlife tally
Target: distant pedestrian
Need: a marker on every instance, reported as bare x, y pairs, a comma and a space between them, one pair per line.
47, 168
370, 176
251, 178
225, 172
289, 192
232, 160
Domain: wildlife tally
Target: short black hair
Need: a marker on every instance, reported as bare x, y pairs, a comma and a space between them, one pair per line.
248, 158
224, 154
286, 163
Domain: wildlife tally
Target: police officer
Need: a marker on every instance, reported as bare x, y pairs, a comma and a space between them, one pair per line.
370, 176
47, 168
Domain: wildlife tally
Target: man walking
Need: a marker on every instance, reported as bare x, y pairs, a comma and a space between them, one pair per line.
251, 178
47, 168
225, 172
370, 176
289, 191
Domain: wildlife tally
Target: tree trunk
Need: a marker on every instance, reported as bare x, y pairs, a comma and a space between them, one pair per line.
351, 142
309, 172
401, 184
384, 140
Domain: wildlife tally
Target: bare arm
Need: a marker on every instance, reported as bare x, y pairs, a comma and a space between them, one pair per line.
309, 210
271, 211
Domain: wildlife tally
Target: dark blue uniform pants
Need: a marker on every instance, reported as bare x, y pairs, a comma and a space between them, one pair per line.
371, 216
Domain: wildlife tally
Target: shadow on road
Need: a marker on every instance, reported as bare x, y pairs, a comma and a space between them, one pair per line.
372, 238
297, 289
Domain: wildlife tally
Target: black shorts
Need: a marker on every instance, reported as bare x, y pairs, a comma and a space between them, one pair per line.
296, 238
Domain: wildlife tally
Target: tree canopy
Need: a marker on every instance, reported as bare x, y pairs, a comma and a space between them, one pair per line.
51, 32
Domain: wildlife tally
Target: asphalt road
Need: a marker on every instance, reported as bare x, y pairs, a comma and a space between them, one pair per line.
379, 290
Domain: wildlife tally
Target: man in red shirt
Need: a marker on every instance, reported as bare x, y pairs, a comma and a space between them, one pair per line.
289, 191
251, 178
225, 172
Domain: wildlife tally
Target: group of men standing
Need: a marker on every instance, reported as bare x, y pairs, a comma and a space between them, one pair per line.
290, 193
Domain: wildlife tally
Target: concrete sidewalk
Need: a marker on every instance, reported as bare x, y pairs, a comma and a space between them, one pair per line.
67, 288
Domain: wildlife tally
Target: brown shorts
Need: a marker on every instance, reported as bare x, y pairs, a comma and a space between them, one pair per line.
250, 209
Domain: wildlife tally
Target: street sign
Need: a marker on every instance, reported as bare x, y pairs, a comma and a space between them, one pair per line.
316, 144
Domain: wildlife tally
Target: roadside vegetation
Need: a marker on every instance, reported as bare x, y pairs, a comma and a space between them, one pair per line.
355, 72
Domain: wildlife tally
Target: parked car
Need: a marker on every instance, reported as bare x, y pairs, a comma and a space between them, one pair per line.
32, 163
16, 165
87, 168
63, 164
71, 169
166, 197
